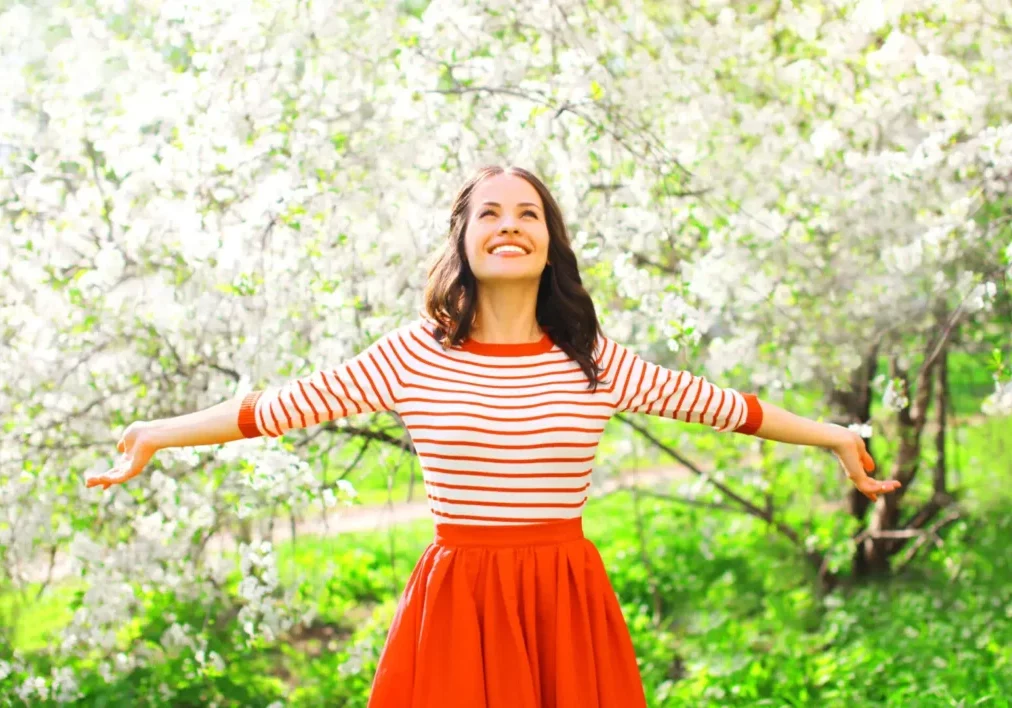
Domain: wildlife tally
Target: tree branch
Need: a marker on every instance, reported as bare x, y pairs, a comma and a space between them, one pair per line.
682, 500
401, 443
747, 506
930, 534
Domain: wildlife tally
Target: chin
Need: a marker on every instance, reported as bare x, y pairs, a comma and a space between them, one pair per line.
505, 275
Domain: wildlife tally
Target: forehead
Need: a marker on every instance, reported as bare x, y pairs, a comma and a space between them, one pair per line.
506, 189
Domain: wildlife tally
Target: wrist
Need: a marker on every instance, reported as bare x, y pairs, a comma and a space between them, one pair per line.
837, 437
156, 434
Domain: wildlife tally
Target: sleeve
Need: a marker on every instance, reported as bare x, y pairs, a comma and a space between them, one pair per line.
643, 387
367, 383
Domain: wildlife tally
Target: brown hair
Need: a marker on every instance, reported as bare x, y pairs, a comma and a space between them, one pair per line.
564, 309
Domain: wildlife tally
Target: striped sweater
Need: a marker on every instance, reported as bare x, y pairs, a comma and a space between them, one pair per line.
505, 433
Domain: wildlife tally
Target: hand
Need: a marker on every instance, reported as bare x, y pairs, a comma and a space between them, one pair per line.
856, 461
137, 445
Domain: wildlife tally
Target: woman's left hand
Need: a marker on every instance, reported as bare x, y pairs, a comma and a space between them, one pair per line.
856, 461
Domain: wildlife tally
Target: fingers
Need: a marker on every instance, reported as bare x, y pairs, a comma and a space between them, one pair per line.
880, 487
866, 461
120, 472
104, 480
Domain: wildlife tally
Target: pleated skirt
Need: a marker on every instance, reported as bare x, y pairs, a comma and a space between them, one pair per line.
508, 617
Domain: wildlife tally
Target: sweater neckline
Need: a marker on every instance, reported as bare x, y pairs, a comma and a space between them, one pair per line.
541, 346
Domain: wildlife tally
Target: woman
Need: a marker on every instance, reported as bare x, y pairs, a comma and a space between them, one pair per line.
505, 384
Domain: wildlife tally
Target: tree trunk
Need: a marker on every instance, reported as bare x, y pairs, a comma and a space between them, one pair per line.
942, 396
940, 495
854, 406
876, 551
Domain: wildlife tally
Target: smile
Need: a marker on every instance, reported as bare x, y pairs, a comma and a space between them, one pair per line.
508, 250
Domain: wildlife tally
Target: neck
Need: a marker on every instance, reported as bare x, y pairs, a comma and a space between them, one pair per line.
506, 314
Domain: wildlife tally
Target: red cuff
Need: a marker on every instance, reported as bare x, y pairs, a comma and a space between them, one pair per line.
754, 419
247, 415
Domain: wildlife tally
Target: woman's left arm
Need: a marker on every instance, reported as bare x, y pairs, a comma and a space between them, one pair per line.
640, 386
783, 426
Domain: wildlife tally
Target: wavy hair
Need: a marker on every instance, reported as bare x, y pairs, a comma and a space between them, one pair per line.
564, 308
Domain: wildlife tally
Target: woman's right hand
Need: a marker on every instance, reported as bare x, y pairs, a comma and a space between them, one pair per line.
137, 446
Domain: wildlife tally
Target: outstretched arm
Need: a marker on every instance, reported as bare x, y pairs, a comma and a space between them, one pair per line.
640, 386
216, 425
367, 383
784, 426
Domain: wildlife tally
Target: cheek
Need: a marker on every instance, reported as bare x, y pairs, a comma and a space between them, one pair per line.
470, 241
472, 249
544, 241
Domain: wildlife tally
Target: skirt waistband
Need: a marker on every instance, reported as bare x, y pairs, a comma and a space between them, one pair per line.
539, 534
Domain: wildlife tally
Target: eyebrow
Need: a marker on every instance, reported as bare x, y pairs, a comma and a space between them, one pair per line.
522, 204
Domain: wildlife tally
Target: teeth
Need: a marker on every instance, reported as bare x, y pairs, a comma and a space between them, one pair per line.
507, 249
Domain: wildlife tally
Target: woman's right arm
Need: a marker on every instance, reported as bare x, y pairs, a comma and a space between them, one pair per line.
367, 383
142, 439
213, 426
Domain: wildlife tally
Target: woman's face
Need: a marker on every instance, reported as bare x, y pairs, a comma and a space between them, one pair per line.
506, 211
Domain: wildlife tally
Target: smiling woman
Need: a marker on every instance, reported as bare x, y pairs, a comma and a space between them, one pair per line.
522, 296
511, 605
505, 384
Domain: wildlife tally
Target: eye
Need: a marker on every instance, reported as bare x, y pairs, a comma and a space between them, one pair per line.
528, 211
485, 213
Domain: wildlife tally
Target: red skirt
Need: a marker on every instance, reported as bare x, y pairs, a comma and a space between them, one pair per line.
511, 617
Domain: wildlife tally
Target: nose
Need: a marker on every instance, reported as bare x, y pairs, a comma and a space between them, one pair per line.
508, 226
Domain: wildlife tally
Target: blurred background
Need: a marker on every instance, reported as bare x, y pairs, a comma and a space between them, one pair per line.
809, 200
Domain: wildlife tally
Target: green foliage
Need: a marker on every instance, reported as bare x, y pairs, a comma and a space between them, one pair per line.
745, 625
31, 623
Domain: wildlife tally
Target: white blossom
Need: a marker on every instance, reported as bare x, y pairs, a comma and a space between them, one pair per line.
1000, 401
894, 398
862, 429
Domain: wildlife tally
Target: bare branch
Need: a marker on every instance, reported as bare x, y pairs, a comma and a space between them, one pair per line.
231, 373
681, 500
401, 443
931, 534
567, 108
747, 506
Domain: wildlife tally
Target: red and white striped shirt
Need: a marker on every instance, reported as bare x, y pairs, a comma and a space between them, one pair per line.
505, 433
